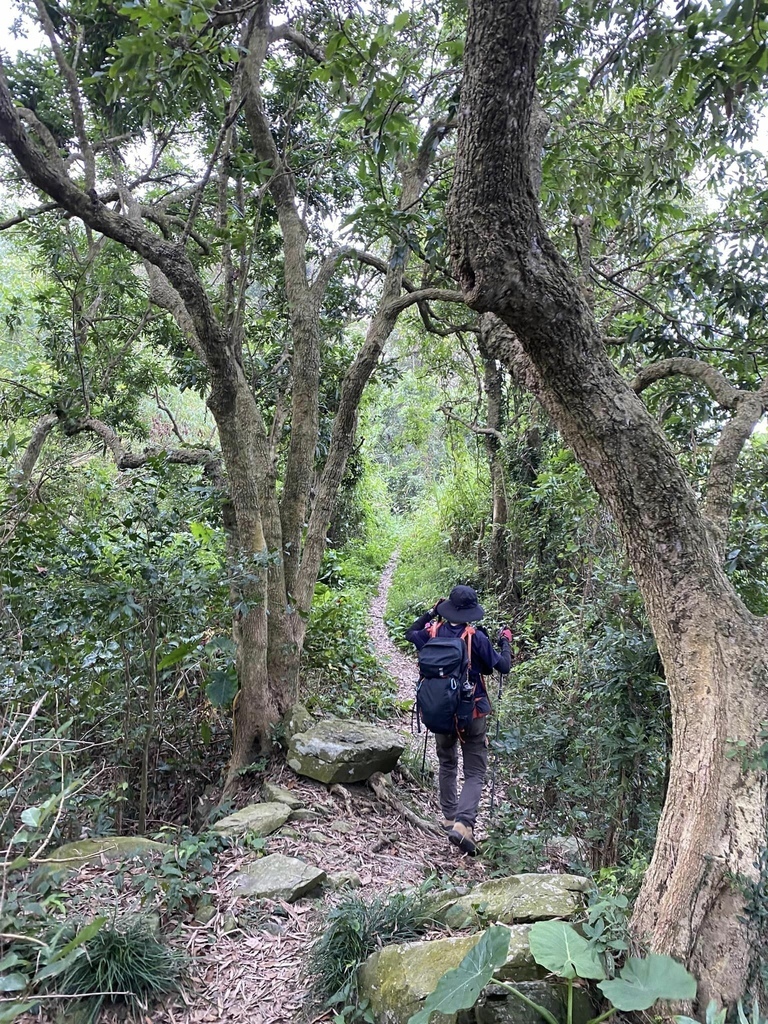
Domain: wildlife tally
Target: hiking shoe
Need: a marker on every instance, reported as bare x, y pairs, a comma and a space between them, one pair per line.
446, 825
461, 836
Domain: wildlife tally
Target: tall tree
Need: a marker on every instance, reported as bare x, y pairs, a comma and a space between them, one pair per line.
713, 827
144, 74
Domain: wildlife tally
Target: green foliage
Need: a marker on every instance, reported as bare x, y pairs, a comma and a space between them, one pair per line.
459, 988
559, 948
643, 982
181, 882
584, 733
353, 929
125, 962
91, 577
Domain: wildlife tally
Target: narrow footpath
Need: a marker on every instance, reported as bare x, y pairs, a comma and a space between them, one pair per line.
247, 958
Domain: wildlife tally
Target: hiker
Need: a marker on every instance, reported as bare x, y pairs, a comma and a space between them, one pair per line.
455, 701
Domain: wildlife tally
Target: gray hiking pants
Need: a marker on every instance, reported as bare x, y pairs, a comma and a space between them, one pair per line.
474, 752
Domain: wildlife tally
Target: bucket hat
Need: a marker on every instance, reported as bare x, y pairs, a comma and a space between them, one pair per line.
461, 606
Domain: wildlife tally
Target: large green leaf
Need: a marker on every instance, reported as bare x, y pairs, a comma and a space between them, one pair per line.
559, 947
459, 988
643, 981
222, 688
13, 982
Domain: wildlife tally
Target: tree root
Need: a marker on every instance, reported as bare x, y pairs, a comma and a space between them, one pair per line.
379, 787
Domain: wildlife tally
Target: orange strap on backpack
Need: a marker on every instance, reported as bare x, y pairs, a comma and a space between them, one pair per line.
469, 632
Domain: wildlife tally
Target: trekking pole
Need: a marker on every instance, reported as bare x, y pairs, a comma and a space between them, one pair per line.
424, 755
496, 743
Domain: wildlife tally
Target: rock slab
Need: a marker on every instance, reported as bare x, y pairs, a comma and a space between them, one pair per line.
397, 979
260, 819
277, 794
109, 849
279, 878
336, 750
516, 898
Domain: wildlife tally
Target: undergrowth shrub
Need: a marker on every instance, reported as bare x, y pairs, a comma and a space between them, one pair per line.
584, 741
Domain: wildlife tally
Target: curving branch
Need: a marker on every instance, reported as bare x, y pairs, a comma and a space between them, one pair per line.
747, 406
423, 295
486, 431
169, 258
124, 458
725, 394
292, 35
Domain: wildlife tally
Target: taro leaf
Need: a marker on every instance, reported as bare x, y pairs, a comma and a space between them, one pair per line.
459, 988
222, 688
643, 981
559, 947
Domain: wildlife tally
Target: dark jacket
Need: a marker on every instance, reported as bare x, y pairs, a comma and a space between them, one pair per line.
484, 658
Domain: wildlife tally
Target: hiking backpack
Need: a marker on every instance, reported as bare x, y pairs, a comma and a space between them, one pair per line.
445, 699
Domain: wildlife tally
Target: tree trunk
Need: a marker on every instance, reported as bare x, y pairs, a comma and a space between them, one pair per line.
714, 651
492, 383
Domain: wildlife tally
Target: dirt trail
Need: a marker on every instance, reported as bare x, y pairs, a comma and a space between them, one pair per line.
248, 962
401, 667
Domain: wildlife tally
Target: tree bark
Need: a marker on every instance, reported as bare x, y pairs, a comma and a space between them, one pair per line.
714, 651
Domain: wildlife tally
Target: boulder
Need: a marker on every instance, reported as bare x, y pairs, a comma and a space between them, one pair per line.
516, 898
279, 878
277, 794
344, 751
260, 819
296, 719
497, 1006
106, 849
397, 979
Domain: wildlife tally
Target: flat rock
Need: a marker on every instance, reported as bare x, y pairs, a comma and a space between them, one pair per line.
344, 880
344, 828
260, 819
109, 849
336, 750
278, 877
397, 979
516, 898
305, 814
277, 794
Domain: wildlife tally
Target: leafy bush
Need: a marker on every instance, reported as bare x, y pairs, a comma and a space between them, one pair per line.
584, 738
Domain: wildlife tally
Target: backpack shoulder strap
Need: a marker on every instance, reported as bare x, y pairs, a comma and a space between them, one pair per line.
432, 629
467, 635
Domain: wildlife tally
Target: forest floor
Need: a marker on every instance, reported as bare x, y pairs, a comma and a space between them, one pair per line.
248, 962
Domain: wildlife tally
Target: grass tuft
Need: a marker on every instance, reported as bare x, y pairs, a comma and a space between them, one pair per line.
354, 929
124, 962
